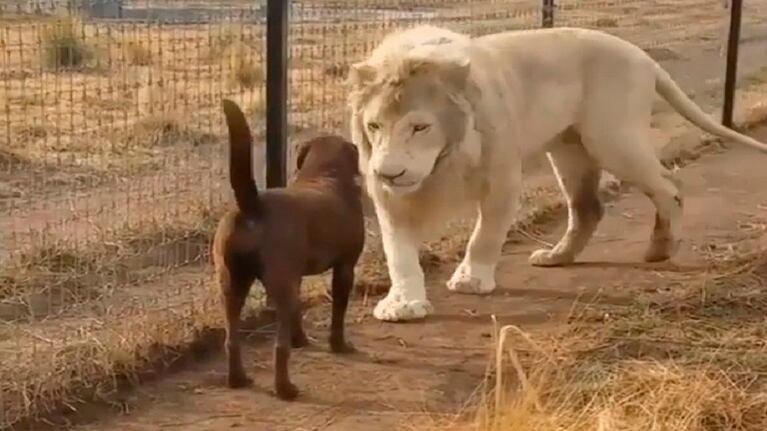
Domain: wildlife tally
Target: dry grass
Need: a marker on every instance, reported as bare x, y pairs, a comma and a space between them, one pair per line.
243, 67
78, 320
45, 281
165, 130
695, 361
137, 53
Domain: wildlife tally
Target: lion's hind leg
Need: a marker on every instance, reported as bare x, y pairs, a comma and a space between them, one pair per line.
578, 175
630, 157
664, 192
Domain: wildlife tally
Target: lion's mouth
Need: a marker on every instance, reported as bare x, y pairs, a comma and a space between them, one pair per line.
408, 187
440, 157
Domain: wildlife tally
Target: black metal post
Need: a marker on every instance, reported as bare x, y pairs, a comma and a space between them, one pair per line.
547, 14
276, 92
731, 76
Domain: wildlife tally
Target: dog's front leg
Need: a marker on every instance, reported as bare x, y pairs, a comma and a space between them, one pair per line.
406, 299
343, 283
497, 208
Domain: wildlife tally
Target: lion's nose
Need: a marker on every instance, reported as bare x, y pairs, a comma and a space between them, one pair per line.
390, 177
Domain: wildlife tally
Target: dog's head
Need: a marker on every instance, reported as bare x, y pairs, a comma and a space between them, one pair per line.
328, 155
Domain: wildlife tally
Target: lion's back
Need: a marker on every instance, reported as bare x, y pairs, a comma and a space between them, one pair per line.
398, 43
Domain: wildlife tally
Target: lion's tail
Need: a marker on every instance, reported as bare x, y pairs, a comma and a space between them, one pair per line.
240, 168
666, 87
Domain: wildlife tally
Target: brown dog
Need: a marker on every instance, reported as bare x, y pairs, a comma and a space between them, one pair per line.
278, 236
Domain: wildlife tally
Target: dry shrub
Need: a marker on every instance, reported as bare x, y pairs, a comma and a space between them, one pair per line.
243, 67
137, 53
238, 55
164, 130
64, 44
606, 22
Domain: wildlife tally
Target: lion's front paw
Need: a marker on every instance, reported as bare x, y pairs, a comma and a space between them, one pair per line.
661, 250
546, 257
474, 279
397, 308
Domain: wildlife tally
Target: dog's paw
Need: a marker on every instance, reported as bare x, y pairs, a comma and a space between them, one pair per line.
298, 341
397, 309
286, 391
342, 348
474, 279
238, 381
547, 257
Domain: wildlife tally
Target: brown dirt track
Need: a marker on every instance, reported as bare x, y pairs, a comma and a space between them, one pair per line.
408, 371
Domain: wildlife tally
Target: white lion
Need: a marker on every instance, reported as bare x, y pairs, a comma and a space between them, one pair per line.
443, 121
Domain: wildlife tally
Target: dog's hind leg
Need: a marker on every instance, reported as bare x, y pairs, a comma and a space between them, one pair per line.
234, 291
578, 176
343, 283
285, 296
298, 338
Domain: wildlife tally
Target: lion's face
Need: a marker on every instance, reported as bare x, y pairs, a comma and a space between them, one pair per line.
408, 136
408, 124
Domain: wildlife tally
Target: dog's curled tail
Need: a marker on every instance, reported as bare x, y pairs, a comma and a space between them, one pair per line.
240, 163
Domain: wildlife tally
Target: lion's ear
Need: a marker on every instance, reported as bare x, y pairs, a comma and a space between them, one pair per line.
360, 141
361, 74
452, 67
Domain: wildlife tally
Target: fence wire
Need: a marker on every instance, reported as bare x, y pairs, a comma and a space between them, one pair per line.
113, 155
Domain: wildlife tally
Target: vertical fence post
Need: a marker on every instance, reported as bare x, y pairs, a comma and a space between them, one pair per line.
733, 42
547, 14
276, 92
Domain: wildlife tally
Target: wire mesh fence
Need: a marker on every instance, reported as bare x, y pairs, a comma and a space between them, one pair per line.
112, 148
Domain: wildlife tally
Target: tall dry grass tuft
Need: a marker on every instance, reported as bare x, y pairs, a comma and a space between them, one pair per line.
564, 393
65, 45
695, 361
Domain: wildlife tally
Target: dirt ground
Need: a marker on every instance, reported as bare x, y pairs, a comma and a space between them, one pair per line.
406, 371
152, 203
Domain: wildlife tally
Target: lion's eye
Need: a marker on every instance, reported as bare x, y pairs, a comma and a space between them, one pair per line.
420, 128
373, 126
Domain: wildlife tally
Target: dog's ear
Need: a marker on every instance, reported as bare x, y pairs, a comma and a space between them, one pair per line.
303, 150
356, 156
